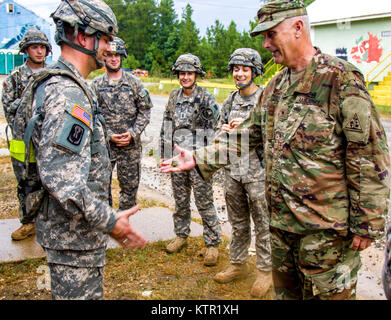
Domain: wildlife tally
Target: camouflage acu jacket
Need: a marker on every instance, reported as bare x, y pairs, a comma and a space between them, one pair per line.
13, 87
74, 167
327, 159
188, 121
126, 105
249, 168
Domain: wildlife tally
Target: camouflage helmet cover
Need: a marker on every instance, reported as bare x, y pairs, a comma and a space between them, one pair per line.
34, 36
188, 62
274, 12
246, 57
91, 16
118, 46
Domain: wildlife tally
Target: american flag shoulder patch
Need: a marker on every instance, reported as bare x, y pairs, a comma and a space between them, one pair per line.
81, 114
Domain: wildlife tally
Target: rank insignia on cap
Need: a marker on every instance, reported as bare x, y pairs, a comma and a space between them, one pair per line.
81, 114
354, 124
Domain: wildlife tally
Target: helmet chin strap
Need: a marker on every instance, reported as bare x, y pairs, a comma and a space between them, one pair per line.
60, 37
193, 85
246, 85
116, 69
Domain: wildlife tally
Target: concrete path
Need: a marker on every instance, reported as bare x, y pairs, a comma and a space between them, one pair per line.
154, 223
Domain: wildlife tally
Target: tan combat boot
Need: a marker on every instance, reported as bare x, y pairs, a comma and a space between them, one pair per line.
211, 256
176, 245
24, 231
233, 272
263, 282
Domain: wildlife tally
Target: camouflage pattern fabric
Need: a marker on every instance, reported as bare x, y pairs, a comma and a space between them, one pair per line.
34, 36
188, 62
76, 283
74, 167
184, 122
244, 187
319, 266
13, 87
182, 114
327, 159
386, 272
274, 12
126, 107
182, 184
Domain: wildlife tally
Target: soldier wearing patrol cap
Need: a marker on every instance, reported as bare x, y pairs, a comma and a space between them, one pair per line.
126, 107
190, 119
36, 46
72, 157
327, 161
244, 181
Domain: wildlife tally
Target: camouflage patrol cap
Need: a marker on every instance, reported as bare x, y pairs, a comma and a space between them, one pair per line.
188, 62
118, 46
91, 16
246, 57
34, 36
275, 12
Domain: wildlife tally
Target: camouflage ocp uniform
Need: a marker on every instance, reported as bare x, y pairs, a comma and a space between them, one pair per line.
327, 175
190, 122
244, 186
13, 87
126, 106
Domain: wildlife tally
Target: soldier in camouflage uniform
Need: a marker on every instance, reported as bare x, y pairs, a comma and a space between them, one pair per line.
244, 182
190, 119
126, 108
37, 47
73, 160
327, 161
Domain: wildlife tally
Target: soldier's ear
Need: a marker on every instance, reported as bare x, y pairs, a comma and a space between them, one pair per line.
82, 38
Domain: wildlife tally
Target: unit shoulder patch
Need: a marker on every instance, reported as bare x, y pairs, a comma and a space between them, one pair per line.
354, 124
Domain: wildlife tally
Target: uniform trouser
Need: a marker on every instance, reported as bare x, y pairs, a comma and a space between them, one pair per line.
182, 183
76, 283
18, 167
320, 266
128, 160
245, 201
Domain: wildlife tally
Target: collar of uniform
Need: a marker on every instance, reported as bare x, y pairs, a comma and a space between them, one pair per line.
110, 82
190, 99
305, 84
71, 67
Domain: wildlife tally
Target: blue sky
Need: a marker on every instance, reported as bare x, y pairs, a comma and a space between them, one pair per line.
205, 12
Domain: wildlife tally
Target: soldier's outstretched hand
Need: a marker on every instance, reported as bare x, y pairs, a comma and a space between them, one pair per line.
183, 161
124, 233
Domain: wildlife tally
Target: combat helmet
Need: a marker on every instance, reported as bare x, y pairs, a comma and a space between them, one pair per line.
118, 46
246, 57
91, 17
188, 62
34, 36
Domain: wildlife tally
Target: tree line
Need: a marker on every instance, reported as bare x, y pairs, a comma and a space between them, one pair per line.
155, 36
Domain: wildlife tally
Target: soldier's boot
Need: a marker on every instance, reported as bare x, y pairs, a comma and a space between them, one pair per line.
233, 272
176, 245
211, 256
263, 282
24, 231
